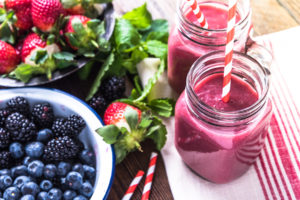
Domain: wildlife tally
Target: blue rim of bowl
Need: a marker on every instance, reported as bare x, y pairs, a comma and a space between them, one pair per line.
95, 113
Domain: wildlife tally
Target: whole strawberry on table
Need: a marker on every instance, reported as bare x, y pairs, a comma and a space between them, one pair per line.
41, 36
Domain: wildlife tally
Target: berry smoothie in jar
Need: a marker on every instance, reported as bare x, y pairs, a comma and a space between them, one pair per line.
188, 41
217, 140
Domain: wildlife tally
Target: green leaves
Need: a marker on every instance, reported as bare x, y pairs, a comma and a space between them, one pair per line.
132, 118
159, 30
39, 57
156, 48
139, 17
163, 107
126, 36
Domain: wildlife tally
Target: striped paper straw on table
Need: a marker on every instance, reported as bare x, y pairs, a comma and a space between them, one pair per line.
229, 50
149, 178
135, 182
196, 10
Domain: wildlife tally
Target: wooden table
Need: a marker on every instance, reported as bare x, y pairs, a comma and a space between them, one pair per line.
268, 16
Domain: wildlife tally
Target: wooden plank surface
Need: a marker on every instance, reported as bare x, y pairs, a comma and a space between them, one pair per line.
268, 16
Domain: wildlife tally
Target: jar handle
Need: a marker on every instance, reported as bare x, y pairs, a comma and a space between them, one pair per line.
261, 51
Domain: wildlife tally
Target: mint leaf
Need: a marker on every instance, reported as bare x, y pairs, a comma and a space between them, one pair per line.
158, 133
159, 30
139, 17
110, 133
163, 107
156, 48
152, 81
105, 67
126, 36
132, 118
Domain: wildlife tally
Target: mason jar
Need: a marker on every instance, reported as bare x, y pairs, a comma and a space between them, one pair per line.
188, 41
217, 140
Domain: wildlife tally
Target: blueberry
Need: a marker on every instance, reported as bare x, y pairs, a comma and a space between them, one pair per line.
80, 197
78, 168
19, 171
69, 195
27, 197
16, 150
34, 149
44, 135
5, 181
50, 171
87, 157
46, 185
74, 180
89, 171
11, 193
55, 194
42, 196
30, 188
27, 160
86, 189
63, 168
5, 172
20, 181
35, 168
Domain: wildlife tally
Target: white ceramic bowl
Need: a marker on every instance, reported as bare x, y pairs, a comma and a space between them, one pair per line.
65, 104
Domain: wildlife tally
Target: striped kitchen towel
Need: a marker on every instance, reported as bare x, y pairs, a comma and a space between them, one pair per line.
276, 173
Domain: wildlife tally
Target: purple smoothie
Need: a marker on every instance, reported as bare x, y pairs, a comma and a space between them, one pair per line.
219, 153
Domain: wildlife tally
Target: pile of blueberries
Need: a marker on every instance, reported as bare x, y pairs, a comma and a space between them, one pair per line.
43, 167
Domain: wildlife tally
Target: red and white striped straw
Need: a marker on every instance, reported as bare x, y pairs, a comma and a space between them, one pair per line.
196, 10
229, 50
135, 182
149, 178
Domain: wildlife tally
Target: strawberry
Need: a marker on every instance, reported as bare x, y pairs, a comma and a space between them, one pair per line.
18, 48
22, 9
8, 58
114, 114
31, 43
85, 35
127, 126
39, 57
45, 13
75, 10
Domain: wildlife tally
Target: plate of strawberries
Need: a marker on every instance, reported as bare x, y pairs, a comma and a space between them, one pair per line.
45, 40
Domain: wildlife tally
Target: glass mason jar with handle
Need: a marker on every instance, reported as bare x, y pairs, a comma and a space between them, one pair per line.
188, 41
217, 140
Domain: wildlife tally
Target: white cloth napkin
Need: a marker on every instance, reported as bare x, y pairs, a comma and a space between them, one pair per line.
276, 174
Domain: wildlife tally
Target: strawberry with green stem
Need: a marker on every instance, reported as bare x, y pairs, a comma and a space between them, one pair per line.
40, 57
46, 14
22, 10
8, 58
127, 126
85, 35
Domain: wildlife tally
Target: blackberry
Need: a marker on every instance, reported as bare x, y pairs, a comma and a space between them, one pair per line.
58, 127
99, 104
113, 88
74, 125
4, 138
3, 115
62, 148
20, 128
42, 115
5, 159
18, 104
